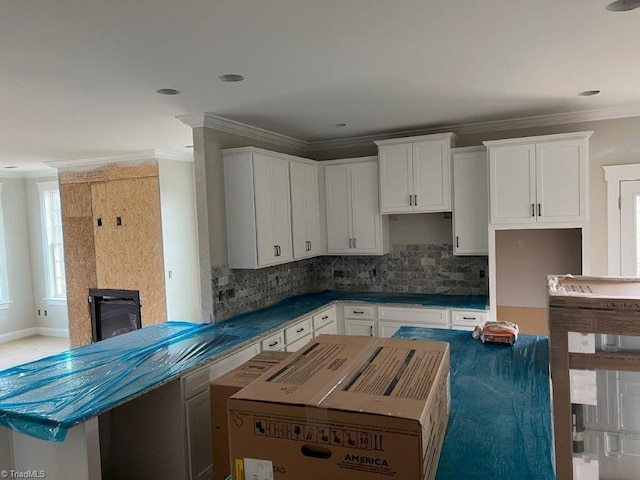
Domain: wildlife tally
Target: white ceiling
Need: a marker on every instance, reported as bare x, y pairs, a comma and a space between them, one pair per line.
79, 77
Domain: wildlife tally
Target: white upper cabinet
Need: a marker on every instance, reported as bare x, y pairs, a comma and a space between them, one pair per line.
415, 174
539, 179
354, 225
305, 210
257, 194
470, 201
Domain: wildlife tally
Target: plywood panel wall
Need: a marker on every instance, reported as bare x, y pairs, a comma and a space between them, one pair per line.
127, 256
80, 261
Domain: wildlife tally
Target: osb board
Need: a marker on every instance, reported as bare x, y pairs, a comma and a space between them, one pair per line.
533, 321
111, 171
80, 268
75, 200
130, 256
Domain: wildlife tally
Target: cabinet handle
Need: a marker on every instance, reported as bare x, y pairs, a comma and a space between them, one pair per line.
275, 250
274, 343
533, 210
350, 243
279, 250
358, 312
457, 242
324, 317
415, 200
300, 330
355, 243
310, 245
371, 330
411, 200
539, 209
469, 318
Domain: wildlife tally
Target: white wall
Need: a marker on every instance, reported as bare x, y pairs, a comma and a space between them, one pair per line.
19, 315
56, 320
180, 242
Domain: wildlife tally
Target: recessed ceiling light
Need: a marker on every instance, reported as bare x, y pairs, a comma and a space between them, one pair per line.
231, 78
339, 125
168, 91
589, 93
11, 166
623, 5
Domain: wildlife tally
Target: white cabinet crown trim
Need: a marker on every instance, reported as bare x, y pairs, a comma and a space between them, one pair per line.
420, 138
540, 138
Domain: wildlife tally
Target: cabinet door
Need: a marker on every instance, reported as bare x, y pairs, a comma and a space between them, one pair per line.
330, 328
299, 209
512, 184
470, 203
312, 204
338, 186
198, 412
263, 188
298, 344
431, 177
396, 178
560, 181
281, 209
365, 328
364, 203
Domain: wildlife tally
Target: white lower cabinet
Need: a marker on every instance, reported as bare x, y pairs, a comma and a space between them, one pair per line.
365, 328
298, 344
416, 317
330, 328
387, 329
274, 342
197, 407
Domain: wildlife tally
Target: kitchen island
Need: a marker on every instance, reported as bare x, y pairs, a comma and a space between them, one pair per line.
49, 408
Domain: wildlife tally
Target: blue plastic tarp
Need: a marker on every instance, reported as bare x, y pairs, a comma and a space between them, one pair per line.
500, 421
47, 397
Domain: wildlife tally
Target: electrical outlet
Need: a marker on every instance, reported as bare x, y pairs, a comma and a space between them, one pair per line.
230, 293
338, 274
483, 274
39, 312
45, 313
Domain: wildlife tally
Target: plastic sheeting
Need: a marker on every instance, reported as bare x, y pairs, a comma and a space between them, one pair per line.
46, 397
500, 421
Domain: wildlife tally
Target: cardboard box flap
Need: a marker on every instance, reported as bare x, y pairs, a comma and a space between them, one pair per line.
391, 377
252, 369
596, 287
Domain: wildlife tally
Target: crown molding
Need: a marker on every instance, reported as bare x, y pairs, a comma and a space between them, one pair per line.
237, 128
223, 124
42, 173
135, 156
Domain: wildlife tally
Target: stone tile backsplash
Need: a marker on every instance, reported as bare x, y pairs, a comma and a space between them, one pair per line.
408, 268
239, 291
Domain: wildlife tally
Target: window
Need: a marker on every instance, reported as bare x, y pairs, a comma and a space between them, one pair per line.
4, 284
53, 245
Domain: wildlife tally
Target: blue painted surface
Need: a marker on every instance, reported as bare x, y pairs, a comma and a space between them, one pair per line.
47, 397
500, 421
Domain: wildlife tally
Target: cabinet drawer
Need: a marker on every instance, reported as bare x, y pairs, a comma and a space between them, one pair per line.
274, 342
297, 331
298, 344
360, 311
433, 316
324, 317
198, 381
467, 318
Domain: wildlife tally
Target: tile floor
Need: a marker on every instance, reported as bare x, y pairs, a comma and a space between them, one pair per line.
31, 348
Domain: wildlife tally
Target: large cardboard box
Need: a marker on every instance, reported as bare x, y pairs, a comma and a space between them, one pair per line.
220, 390
344, 407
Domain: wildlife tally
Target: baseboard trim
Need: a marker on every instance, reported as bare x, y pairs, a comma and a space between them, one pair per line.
25, 332
52, 332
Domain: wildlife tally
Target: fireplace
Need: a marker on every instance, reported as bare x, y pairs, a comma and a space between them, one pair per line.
114, 312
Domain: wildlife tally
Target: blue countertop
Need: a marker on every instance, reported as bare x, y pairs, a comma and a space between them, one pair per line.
47, 397
500, 422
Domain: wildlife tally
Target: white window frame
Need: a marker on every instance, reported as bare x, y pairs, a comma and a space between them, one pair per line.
52, 298
5, 298
613, 175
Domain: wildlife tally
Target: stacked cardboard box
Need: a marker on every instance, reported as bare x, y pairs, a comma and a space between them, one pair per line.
220, 390
344, 407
